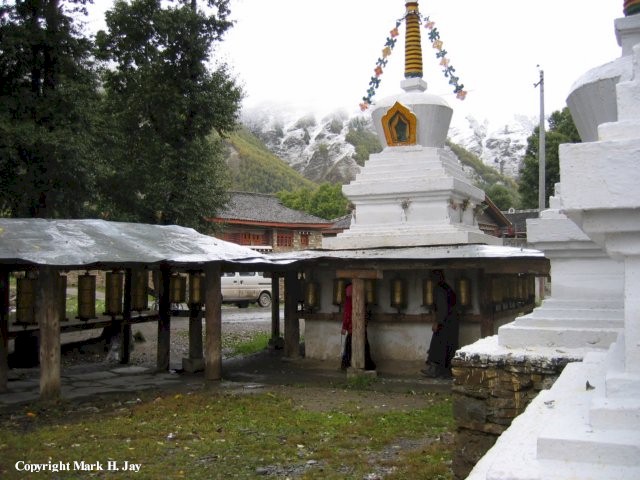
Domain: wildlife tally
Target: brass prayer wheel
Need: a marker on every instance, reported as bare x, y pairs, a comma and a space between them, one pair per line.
339, 285
427, 292
86, 296
177, 288
464, 292
139, 290
311, 295
25, 300
497, 294
196, 288
371, 298
398, 293
113, 293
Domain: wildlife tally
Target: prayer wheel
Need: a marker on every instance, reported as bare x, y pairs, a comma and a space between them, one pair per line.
86, 296
196, 288
25, 300
398, 293
139, 290
339, 285
311, 295
370, 291
497, 293
177, 288
113, 293
427, 292
464, 292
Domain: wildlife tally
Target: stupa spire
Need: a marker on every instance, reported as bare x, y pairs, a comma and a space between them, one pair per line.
631, 7
413, 45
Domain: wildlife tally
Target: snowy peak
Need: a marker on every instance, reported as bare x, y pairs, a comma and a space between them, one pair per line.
501, 147
318, 149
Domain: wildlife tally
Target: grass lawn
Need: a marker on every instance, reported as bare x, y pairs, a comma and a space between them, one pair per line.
222, 431
213, 434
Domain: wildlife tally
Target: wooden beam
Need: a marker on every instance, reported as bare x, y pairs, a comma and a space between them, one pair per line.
362, 274
291, 321
4, 329
125, 330
163, 358
213, 322
275, 306
49, 322
358, 323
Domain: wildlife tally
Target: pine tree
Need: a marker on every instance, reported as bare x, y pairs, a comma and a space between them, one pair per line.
561, 130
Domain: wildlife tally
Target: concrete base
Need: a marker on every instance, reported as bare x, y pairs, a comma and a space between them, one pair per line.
193, 365
560, 434
358, 372
565, 324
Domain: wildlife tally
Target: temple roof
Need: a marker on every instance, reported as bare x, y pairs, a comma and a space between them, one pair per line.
262, 208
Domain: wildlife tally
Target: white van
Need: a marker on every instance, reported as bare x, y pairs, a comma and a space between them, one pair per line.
243, 288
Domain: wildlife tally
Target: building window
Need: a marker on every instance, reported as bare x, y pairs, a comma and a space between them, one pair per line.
304, 239
285, 239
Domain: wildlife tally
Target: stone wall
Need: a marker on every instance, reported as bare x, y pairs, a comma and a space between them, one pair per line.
489, 391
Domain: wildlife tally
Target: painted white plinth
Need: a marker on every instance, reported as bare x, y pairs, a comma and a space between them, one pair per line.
585, 310
410, 196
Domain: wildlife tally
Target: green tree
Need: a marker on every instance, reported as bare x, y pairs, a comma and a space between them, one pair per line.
502, 196
163, 102
561, 130
326, 201
48, 93
363, 138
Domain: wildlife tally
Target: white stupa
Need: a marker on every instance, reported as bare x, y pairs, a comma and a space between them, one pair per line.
413, 193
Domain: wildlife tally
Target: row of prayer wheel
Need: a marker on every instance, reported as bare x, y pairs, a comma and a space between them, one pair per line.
114, 294
398, 293
512, 288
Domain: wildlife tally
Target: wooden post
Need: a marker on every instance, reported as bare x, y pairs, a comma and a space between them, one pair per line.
275, 341
163, 358
4, 329
358, 312
47, 305
213, 321
125, 330
487, 310
357, 322
291, 321
195, 361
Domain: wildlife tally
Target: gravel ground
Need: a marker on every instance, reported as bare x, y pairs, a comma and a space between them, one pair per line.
87, 346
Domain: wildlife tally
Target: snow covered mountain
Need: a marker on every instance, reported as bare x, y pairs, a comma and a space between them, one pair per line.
318, 147
499, 146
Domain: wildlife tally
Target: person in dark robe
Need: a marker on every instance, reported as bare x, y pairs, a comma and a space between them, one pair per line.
445, 330
347, 327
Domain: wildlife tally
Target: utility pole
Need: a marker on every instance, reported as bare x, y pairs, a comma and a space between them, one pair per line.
541, 148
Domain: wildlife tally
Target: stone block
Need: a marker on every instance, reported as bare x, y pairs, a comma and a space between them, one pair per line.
469, 409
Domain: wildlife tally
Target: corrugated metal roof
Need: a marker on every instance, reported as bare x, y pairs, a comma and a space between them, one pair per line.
81, 243
442, 252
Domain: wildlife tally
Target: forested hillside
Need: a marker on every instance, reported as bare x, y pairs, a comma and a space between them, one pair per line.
253, 168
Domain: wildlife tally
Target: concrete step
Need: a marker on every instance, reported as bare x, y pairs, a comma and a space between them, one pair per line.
616, 413
525, 336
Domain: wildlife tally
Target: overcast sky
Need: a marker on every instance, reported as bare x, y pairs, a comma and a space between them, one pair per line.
320, 54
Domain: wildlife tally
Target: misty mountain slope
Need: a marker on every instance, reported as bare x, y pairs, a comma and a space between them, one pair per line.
321, 150
501, 147
254, 168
